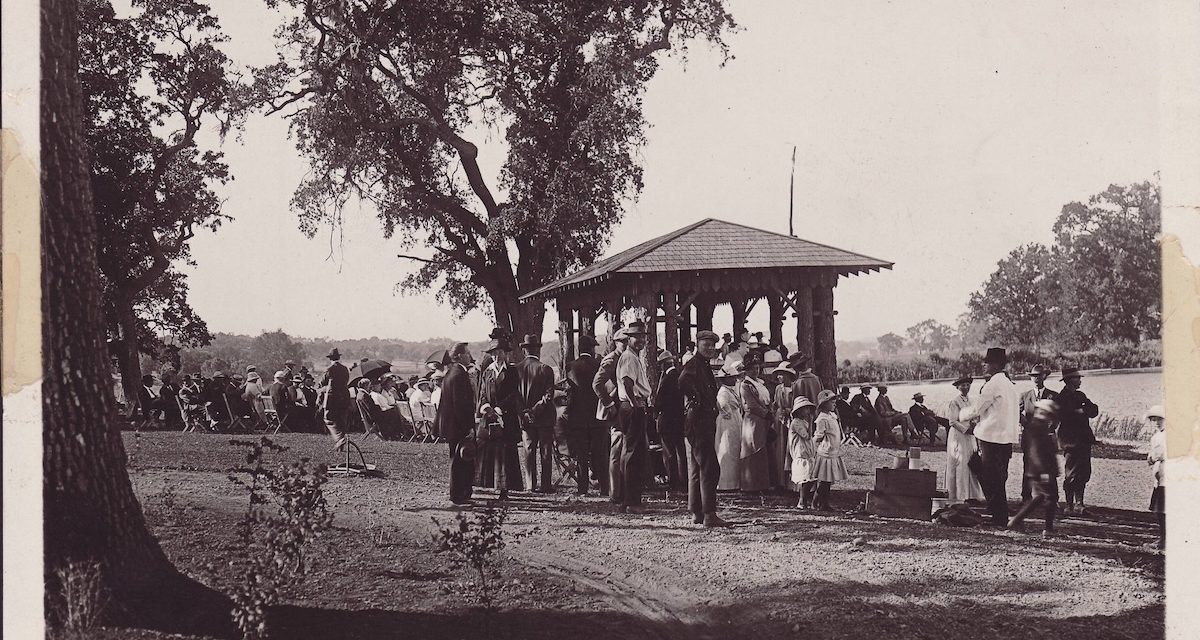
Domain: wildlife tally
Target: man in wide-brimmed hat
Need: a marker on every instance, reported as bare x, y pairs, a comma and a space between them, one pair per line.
699, 387
499, 459
537, 415
1038, 375
1076, 438
336, 383
998, 407
604, 383
588, 434
924, 418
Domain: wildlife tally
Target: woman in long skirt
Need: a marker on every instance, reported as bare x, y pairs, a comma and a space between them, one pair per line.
756, 422
803, 452
729, 426
828, 437
961, 484
782, 406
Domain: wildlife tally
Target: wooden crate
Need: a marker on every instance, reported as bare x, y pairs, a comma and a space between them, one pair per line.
892, 506
920, 483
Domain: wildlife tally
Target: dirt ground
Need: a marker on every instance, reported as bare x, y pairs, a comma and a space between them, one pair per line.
584, 570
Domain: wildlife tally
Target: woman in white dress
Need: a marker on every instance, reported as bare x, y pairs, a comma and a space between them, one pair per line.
827, 436
729, 426
961, 484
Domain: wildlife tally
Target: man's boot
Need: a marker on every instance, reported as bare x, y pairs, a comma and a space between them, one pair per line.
713, 520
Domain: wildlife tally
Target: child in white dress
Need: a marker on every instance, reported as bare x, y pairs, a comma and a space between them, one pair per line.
827, 436
802, 450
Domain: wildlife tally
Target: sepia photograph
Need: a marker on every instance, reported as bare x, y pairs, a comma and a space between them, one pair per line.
662, 319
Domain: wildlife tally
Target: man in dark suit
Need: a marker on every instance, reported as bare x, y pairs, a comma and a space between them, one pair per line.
924, 419
455, 422
1075, 437
845, 412
589, 436
337, 398
868, 418
149, 402
368, 411
281, 397
168, 394
498, 463
699, 390
1038, 375
537, 415
668, 404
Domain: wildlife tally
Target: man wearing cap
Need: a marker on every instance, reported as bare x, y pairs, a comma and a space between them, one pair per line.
866, 417
499, 464
605, 385
1028, 399
455, 422
699, 389
589, 435
668, 406
1076, 438
537, 415
633, 392
336, 382
998, 409
924, 419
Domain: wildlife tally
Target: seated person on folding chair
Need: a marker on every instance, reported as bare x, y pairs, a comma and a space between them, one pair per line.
281, 398
191, 399
391, 424
214, 401
890, 417
924, 419
368, 411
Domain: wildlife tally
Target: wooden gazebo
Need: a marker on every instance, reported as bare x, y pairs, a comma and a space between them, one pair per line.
679, 278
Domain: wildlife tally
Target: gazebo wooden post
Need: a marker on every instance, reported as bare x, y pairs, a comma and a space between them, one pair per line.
587, 321
804, 320
671, 321
740, 312
777, 311
825, 358
612, 310
704, 315
685, 324
566, 332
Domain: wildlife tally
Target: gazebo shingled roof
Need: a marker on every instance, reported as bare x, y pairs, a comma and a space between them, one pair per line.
714, 244
679, 278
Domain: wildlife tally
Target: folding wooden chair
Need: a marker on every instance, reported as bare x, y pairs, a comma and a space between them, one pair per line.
565, 466
142, 419
370, 428
406, 414
235, 421
274, 422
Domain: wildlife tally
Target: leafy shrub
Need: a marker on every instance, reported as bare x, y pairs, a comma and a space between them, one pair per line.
81, 599
473, 544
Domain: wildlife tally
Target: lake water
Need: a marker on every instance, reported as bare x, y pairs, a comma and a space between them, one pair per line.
1119, 395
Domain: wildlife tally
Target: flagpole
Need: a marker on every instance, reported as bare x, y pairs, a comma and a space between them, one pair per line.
792, 195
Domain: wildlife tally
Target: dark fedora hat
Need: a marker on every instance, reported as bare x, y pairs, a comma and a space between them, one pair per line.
498, 344
532, 340
636, 328
500, 333
587, 342
996, 354
334, 354
1070, 372
963, 379
1039, 370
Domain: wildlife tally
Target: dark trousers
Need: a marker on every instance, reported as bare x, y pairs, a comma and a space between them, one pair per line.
539, 458
1044, 492
995, 458
675, 459
1077, 470
616, 446
592, 451
704, 472
633, 453
462, 472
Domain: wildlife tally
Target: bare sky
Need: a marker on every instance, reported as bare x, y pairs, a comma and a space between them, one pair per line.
937, 135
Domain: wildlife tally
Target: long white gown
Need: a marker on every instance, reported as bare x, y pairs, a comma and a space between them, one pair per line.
961, 484
729, 436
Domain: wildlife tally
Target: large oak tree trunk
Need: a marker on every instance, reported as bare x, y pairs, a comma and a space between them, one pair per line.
91, 512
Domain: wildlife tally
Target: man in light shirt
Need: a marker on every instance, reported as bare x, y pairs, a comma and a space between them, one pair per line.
998, 409
633, 391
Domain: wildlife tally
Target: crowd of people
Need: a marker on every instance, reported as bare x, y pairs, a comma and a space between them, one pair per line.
731, 414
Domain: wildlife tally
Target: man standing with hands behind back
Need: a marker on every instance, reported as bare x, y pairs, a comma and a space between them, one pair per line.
536, 383
604, 384
699, 389
1075, 437
455, 421
997, 408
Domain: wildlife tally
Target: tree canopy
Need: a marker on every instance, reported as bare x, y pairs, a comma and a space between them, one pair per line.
390, 101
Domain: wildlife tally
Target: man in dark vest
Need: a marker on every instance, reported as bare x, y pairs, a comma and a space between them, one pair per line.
589, 436
537, 415
669, 407
336, 382
1076, 438
867, 417
699, 390
455, 422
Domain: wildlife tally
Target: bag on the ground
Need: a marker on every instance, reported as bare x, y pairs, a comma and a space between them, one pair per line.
957, 515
